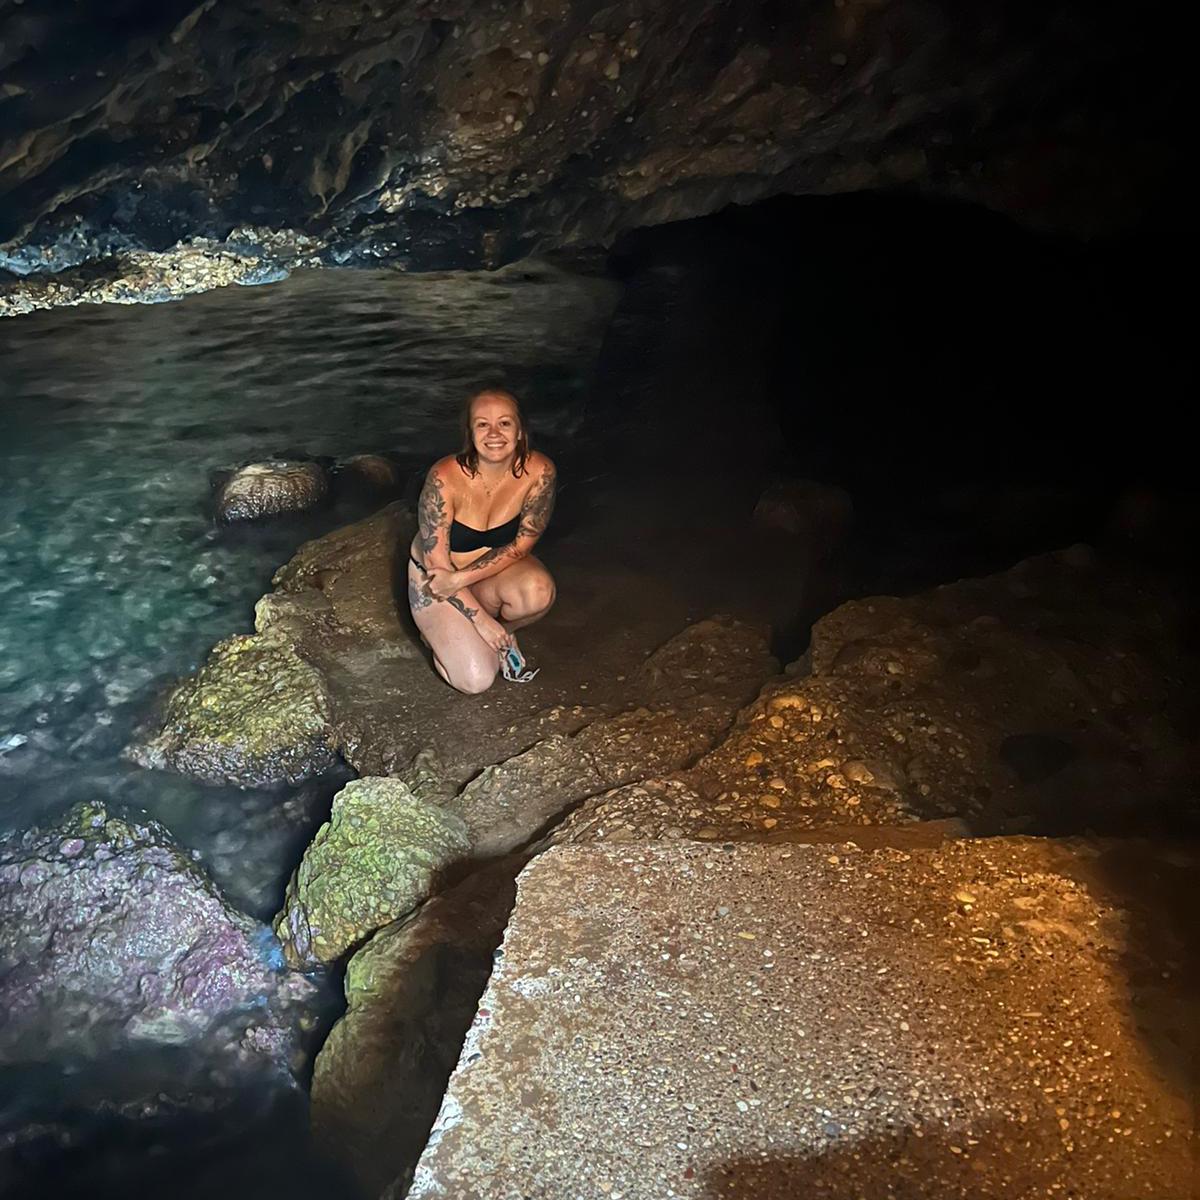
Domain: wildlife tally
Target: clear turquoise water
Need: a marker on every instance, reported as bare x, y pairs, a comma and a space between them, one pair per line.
114, 577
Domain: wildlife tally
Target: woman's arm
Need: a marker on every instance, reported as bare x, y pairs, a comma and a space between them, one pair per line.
435, 511
535, 516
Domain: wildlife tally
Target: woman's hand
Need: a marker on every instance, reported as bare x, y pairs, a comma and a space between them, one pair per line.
442, 582
492, 632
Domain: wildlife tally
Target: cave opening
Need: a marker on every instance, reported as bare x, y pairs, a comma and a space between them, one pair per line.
763, 413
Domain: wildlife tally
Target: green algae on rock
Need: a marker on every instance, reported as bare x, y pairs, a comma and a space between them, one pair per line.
411, 994
373, 862
255, 714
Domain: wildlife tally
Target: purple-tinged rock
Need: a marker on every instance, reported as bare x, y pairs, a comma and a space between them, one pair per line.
114, 934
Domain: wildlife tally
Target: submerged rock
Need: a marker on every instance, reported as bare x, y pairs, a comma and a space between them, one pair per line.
268, 488
371, 470
113, 934
256, 714
372, 863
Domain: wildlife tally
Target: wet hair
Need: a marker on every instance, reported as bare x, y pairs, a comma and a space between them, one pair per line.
468, 457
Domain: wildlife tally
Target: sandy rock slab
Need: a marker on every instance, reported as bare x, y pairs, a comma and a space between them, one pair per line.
973, 1021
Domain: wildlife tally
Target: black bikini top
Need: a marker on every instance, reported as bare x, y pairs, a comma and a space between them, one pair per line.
464, 539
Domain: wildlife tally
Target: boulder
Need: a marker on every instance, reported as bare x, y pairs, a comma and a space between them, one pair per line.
816, 513
371, 470
1039, 694
113, 936
254, 715
374, 861
268, 488
981, 1020
411, 993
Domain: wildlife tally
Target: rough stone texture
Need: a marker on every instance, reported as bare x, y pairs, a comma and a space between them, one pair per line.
372, 863
792, 1021
411, 993
267, 488
255, 714
693, 686
1044, 693
113, 934
263, 709
819, 515
189, 145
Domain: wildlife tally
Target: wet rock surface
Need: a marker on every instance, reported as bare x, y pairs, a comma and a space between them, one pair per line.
376, 859
255, 714
1007, 701
268, 488
698, 1020
693, 686
193, 147
114, 937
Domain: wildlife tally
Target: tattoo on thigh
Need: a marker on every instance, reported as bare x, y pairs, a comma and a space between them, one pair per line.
418, 598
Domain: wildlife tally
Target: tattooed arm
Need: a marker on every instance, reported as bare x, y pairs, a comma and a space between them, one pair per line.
435, 511
535, 516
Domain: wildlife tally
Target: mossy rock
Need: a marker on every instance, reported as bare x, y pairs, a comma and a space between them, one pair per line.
374, 861
255, 714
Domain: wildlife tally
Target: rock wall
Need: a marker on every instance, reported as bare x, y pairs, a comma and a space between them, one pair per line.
181, 146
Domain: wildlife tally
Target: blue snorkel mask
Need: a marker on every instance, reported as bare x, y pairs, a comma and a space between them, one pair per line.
512, 666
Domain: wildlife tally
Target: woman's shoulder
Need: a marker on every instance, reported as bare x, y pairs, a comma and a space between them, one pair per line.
446, 470
538, 465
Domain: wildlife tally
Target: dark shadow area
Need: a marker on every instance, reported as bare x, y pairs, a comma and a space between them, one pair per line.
978, 1161
983, 392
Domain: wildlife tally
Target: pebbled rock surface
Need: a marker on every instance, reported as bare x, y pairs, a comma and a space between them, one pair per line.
1050, 693
191, 145
267, 488
113, 936
373, 862
411, 994
958, 1023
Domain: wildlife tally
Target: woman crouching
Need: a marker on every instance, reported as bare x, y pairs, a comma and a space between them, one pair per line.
472, 577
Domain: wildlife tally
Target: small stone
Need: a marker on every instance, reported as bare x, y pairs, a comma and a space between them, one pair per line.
708, 832
769, 822
776, 721
754, 758
778, 784
770, 801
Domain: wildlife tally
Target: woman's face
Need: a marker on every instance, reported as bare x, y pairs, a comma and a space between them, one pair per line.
494, 428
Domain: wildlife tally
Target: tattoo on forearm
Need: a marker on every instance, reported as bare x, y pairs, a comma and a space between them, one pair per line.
469, 613
431, 511
493, 555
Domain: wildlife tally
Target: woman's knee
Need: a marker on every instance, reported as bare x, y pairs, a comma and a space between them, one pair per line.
537, 594
473, 676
